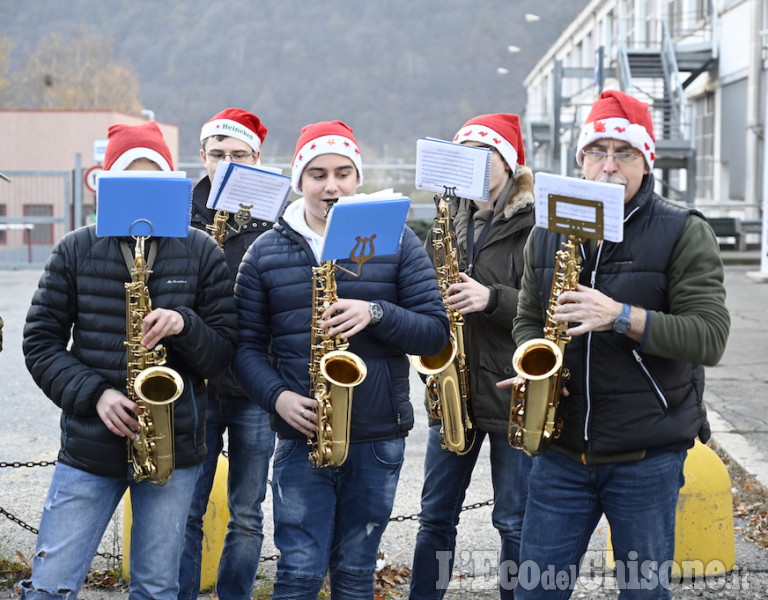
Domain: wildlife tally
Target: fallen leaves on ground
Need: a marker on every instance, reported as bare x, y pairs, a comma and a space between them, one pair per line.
750, 500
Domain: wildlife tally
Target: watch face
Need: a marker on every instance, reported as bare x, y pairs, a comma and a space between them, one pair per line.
621, 325
376, 311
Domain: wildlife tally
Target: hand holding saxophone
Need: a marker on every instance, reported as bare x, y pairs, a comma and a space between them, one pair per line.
467, 296
117, 412
160, 323
298, 411
345, 318
591, 310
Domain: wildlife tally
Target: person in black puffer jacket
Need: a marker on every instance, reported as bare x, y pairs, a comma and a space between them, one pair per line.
250, 440
331, 519
74, 346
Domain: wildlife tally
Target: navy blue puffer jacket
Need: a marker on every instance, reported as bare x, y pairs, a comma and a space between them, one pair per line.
274, 297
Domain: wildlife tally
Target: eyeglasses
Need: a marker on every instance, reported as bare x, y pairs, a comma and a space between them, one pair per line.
235, 157
598, 156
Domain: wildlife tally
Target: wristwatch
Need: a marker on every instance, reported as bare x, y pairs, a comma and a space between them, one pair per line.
622, 325
376, 312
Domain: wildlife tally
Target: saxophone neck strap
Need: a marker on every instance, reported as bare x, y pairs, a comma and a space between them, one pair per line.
151, 254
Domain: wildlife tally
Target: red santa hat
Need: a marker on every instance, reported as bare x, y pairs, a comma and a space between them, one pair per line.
501, 131
126, 143
236, 123
619, 116
325, 137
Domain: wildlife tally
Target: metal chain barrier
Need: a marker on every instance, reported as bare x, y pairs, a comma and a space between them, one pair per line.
107, 555
16, 465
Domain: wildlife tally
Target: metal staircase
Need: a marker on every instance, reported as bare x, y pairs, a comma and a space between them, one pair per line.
651, 73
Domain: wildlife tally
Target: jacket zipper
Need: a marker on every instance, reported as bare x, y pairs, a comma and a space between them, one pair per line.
657, 390
587, 387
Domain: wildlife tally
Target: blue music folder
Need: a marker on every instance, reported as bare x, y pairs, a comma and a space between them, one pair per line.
361, 225
143, 203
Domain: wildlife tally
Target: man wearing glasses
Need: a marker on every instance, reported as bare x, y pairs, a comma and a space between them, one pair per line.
231, 135
646, 313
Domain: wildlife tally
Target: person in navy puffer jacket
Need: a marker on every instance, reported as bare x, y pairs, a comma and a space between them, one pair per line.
331, 519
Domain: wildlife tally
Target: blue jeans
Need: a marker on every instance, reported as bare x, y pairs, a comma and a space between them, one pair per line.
76, 514
331, 519
251, 442
565, 502
446, 479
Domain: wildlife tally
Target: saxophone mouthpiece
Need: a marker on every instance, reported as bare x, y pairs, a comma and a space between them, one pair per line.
329, 206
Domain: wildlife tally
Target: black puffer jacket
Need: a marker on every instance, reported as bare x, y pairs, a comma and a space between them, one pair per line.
81, 296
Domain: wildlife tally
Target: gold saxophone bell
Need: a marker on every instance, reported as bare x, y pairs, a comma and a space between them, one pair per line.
539, 363
444, 396
342, 371
533, 420
156, 388
447, 373
431, 365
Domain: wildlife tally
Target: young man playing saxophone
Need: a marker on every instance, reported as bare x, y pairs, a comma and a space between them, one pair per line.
331, 519
236, 135
75, 349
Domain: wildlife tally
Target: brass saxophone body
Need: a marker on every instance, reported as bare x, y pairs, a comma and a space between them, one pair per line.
533, 421
447, 372
153, 387
333, 373
218, 229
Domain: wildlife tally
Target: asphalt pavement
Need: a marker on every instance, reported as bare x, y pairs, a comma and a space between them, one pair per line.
735, 396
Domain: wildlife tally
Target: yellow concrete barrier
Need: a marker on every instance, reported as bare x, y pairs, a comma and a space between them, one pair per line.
214, 528
704, 536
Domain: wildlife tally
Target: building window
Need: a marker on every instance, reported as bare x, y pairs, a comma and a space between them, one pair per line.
705, 146
42, 233
3, 232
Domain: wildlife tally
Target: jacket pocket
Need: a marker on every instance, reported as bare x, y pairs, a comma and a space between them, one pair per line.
498, 363
655, 387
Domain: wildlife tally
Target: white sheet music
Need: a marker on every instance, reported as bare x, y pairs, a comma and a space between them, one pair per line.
235, 186
610, 195
441, 164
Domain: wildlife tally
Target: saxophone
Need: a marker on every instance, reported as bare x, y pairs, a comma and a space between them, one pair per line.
218, 229
333, 374
221, 227
447, 372
153, 387
533, 422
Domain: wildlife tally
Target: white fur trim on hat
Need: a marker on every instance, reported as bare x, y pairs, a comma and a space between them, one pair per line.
617, 128
232, 129
326, 144
126, 158
485, 135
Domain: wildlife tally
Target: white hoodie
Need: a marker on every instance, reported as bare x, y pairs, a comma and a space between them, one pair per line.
294, 216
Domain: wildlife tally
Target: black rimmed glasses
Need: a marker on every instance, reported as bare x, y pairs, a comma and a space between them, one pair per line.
598, 156
236, 157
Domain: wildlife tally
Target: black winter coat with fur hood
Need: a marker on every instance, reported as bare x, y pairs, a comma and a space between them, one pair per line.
488, 341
